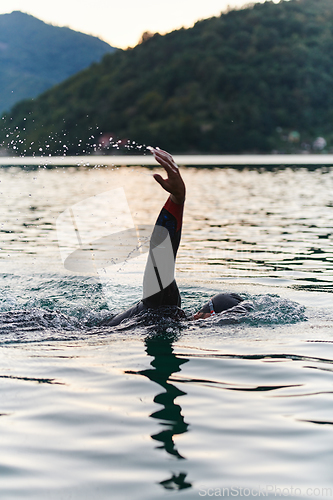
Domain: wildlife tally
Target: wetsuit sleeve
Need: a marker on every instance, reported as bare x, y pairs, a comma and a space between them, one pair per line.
159, 263
159, 273
171, 217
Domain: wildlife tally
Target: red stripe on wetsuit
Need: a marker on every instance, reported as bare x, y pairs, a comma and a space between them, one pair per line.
175, 210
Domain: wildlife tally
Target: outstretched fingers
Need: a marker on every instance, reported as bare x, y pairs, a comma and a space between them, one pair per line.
174, 183
165, 160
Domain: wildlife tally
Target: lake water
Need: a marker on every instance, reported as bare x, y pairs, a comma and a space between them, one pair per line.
222, 407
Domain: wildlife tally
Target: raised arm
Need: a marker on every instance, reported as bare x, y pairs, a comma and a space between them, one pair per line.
159, 285
159, 272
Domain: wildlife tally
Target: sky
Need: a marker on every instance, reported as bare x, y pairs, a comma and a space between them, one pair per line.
121, 22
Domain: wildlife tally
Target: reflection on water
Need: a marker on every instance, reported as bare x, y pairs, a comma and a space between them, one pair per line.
176, 482
165, 364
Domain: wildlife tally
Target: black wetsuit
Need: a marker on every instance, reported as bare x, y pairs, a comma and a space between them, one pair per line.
160, 291
167, 298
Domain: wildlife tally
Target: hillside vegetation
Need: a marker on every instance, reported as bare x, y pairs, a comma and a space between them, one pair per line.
255, 79
34, 56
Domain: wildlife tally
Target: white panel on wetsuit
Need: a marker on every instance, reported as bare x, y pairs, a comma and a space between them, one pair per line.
160, 269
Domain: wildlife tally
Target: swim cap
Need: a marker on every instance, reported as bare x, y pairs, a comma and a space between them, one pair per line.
221, 302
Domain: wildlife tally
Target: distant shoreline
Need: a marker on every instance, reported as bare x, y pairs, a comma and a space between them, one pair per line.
187, 160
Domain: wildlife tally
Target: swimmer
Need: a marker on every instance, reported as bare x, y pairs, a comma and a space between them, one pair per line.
160, 291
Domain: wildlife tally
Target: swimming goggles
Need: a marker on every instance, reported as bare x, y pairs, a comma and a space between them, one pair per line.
211, 307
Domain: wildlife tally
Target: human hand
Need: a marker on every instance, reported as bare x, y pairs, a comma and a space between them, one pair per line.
174, 183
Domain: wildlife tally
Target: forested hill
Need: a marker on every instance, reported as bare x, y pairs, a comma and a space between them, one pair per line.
34, 56
255, 79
